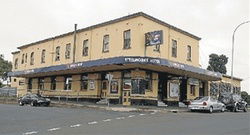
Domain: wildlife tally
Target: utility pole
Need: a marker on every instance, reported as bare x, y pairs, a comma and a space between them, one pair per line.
74, 44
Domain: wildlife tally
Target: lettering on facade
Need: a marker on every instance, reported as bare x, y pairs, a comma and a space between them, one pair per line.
75, 65
177, 65
29, 71
142, 60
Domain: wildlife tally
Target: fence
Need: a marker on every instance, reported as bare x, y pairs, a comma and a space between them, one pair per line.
8, 94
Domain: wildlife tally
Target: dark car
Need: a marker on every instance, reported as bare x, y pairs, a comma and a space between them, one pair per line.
233, 102
34, 100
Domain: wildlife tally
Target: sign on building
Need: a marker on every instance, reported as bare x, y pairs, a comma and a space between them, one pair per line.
154, 38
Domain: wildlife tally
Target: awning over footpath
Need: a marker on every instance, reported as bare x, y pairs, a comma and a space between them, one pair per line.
178, 68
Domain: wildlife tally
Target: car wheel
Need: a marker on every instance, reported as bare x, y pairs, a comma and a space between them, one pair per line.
20, 103
210, 109
223, 109
245, 109
33, 103
236, 108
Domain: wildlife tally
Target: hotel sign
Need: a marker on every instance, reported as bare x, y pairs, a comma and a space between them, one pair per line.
142, 60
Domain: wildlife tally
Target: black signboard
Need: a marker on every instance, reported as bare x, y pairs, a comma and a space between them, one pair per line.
154, 38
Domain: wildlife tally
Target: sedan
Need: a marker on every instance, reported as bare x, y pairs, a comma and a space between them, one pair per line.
34, 100
207, 103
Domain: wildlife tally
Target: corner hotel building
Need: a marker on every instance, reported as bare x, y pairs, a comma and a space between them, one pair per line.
149, 59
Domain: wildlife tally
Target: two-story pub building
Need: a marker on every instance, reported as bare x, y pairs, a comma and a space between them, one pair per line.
149, 61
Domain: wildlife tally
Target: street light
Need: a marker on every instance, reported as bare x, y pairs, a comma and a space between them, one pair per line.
232, 66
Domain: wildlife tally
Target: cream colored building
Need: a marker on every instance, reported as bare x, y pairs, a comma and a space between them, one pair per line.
149, 60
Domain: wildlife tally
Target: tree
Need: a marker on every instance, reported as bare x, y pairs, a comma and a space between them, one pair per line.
217, 63
245, 96
5, 67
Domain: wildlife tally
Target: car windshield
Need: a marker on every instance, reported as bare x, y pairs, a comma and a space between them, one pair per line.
201, 99
35, 96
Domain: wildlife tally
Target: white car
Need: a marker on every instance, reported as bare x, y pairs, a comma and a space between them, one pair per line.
207, 103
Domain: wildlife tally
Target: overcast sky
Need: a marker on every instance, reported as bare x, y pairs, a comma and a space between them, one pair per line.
26, 21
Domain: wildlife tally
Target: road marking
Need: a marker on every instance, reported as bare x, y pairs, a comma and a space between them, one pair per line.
29, 133
130, 116
77, 125
54, 129
119, 118
142, 114
93, 122
106, 120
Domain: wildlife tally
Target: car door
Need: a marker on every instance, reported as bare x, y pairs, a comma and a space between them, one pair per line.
214, 103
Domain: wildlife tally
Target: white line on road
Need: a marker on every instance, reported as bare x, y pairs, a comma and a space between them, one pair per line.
54, 129
106, 120
77, 125
142, 114
119, 118
29, 133
93, 122
130, 116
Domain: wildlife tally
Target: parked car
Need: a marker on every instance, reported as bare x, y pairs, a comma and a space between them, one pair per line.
206, 103
233, 102
34, 100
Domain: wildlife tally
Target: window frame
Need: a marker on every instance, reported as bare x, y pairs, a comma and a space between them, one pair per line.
22, 62
32, 59
41, 83
68, 86
192, 90
53, 83
105, 47
83, 81
43, 56
16, 63
57, 52
67, 51
85, 47
174, 48
189, 53
126, 40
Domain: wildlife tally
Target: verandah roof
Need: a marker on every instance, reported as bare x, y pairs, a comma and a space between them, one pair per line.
156, 64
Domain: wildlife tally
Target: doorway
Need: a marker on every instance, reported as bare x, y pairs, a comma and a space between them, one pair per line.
183, 90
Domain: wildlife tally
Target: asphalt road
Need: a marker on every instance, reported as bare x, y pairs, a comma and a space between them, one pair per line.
24, 120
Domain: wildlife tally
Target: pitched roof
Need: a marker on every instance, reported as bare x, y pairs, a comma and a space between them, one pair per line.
115, 21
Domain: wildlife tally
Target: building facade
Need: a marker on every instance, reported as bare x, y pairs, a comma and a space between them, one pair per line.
136, 59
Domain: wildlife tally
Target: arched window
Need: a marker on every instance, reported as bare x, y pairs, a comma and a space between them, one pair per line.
43, 56
16, 63
32, 58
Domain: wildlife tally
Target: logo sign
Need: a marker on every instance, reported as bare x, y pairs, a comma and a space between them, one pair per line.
154, 38
75, 65
142, 60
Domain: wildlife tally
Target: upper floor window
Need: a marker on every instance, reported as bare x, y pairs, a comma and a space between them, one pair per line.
43, 56
16, 63
127, 39
22, 59
174, 48
32, 58
85, 48
189, 53
57, 53
26, 57
105, 43
67, 51
68, 82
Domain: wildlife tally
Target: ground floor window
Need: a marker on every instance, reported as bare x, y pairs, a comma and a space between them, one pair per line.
114, 87
41, 83
192, 90
127, 84
67, 82
53, 83
138, 86
84, 82
30, 83
91, 84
